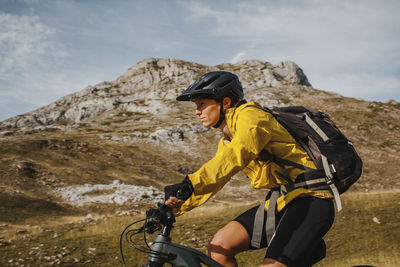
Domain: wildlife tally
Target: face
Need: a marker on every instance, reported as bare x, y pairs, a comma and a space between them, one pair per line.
208, 111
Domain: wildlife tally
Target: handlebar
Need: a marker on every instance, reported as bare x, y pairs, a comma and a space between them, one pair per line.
163, 215
161, 218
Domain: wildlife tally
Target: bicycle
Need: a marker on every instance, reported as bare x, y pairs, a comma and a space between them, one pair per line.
162, 249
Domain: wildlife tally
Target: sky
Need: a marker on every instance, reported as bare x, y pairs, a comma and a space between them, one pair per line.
51, 48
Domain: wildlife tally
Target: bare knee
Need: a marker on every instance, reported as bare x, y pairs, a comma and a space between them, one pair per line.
227, 242
218, 246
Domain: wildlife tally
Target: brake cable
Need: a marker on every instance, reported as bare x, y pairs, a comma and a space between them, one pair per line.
129, 239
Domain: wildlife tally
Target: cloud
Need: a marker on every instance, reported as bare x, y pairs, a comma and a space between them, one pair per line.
51, 48
328, 26
339, 39
25, 42
29, 58
239, 56
361, 85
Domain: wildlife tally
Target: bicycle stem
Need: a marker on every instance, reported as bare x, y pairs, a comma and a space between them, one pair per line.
166, 230
167, 220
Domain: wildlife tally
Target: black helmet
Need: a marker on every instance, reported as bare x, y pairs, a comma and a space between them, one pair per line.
215, 85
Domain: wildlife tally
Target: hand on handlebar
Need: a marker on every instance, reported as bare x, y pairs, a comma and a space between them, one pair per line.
176, 194
174, 202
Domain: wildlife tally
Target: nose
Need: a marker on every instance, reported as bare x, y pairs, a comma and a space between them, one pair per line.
198, 112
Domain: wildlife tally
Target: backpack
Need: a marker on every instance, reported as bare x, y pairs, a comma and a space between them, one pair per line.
338, 164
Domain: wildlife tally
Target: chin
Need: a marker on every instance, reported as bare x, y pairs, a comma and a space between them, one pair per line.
206, 125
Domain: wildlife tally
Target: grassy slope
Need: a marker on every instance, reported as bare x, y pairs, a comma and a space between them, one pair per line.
61, 159
31, 166
80, 157
354, 240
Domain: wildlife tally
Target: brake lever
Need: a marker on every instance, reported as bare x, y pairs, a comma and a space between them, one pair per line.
163, 215
152, 222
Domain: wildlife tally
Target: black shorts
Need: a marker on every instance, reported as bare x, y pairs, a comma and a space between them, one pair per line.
299, 231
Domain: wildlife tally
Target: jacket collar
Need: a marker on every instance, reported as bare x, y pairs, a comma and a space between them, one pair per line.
231, 115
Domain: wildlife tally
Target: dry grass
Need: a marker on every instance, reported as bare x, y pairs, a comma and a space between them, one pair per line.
355, 238
54, 158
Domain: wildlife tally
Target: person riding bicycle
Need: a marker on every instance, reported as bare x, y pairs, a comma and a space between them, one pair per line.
302, 217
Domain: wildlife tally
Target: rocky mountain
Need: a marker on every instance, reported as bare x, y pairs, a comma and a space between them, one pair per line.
130, 137
151, 87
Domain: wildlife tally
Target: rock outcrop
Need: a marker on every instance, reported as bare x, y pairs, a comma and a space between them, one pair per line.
149, 87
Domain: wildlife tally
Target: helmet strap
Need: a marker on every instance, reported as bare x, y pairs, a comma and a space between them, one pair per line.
221, 115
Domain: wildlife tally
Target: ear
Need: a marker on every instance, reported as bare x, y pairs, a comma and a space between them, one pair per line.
226, 103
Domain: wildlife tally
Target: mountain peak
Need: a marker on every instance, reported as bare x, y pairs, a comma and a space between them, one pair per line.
148, 86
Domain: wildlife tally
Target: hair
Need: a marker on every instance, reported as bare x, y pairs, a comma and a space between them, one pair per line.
235, 100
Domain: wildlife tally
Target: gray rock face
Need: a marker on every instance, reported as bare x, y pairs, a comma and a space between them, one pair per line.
150, 86
290, 72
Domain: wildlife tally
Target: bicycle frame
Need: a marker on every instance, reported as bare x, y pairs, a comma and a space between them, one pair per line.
179, 255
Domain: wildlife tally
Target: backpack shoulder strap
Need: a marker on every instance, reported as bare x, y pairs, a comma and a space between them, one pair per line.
266, 156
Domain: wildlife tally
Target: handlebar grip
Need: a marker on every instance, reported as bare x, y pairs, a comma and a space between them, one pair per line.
163, 208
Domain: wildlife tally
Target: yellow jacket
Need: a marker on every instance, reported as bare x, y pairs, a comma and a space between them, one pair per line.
252, 130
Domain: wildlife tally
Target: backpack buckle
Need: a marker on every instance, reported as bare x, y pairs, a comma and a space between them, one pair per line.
329, 179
